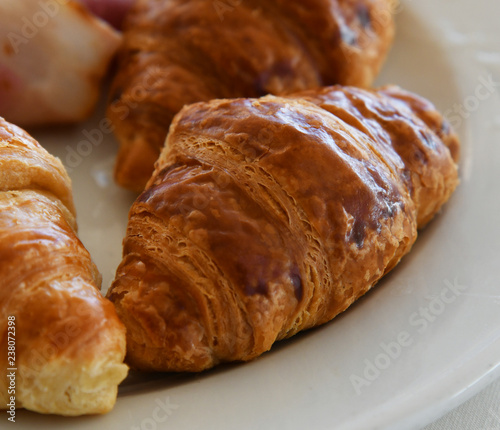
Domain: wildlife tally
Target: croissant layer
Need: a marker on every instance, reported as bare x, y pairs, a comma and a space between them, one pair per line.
177, 52
59, 337
265, 217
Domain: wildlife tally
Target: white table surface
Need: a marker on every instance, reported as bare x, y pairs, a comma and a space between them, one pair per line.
482, 412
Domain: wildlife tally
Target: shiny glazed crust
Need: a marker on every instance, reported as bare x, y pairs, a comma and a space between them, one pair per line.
269, 216
69, 342
177, 52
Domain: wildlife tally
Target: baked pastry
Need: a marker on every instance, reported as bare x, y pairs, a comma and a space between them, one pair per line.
53, 59
177, 52
269, 216
62, 344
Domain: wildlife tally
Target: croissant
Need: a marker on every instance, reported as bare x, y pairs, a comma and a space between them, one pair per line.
62, 344
269, 216
176, 53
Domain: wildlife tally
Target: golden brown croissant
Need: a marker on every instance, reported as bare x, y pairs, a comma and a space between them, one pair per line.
177, 52
62, 344
269, 216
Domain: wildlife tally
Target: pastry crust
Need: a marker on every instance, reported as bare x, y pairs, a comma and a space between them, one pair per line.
69, 342
177, 52
269, 216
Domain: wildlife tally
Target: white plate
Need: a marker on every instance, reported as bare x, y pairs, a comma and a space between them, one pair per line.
339, 376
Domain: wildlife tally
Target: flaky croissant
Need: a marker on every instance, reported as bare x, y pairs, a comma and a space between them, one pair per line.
269, 216
177, 52
62, 344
